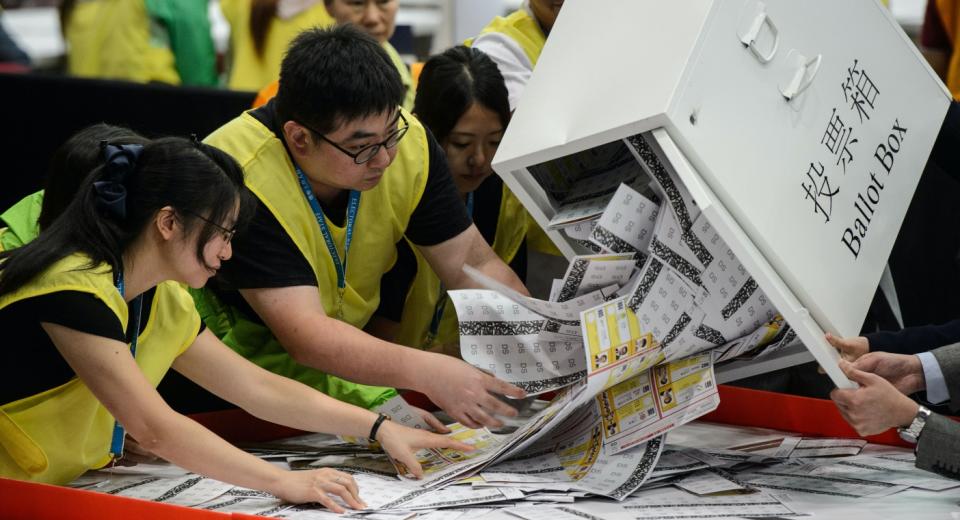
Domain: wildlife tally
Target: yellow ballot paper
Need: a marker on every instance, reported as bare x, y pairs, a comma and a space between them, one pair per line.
615, 345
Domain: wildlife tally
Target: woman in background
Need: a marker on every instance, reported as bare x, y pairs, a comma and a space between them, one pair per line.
462, 99
260, 32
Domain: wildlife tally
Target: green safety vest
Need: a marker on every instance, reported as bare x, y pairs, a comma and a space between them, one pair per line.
21, 222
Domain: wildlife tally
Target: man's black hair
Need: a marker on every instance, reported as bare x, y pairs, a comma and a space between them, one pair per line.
331, 76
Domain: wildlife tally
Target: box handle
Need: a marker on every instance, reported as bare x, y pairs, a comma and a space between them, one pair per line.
750, 36
803, 77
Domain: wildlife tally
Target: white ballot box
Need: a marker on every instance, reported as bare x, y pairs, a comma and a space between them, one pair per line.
797, 130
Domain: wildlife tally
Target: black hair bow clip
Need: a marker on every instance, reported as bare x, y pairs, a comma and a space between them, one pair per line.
119, 162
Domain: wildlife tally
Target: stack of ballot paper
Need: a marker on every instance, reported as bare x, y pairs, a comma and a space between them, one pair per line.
767, 476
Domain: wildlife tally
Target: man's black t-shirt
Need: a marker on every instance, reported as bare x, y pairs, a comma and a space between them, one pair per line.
35, 365
265, 256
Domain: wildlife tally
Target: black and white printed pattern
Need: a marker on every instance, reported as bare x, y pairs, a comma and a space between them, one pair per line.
576, 513
669, 188
567, 330
500, 328
707, 333
551, 326
699, 250
406, 498
682, 323
121, 489
608, 240
248, 493
587, 274
226, 503
628, 221
783, 340
590, 246
573, 278
739, 299
544, 385
503, 338
180, 488
674, 260
649, 277
642, 471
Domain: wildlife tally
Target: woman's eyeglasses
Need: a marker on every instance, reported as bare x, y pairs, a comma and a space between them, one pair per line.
227, 234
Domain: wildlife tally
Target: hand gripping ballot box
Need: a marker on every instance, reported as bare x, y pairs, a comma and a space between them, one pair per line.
797, 130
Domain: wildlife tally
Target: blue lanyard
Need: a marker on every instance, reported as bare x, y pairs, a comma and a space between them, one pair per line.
442, 297
116, 442
470, 205
340, 265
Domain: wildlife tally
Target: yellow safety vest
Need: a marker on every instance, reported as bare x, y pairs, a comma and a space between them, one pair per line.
115, 39
247, 70
56, 435
424, 293
521, 28
410, 90
381, 222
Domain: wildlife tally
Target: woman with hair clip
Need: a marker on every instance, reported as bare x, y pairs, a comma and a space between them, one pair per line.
99, 303
461, 98
260, 31
70, 164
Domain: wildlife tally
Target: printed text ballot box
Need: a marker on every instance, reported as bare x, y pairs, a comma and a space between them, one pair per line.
800, 130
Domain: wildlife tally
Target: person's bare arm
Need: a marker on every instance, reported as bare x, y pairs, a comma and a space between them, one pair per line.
469, 248
106, 367
296, 317
277, 399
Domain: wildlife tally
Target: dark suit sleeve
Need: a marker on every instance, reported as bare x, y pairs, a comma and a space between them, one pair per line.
939, 448
946, 153
914, 340
949, 360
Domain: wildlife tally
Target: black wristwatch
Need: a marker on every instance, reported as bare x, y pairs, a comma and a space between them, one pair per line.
911, 433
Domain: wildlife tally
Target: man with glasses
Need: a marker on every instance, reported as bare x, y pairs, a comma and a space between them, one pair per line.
342, 174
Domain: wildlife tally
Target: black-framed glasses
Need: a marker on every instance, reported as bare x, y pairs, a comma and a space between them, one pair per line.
227, 234
369, 152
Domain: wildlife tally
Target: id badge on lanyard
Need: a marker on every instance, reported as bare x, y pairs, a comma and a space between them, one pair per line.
119, 433
340, 264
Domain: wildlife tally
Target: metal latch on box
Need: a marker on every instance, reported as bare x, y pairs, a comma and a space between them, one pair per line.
751, 32
805, 69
